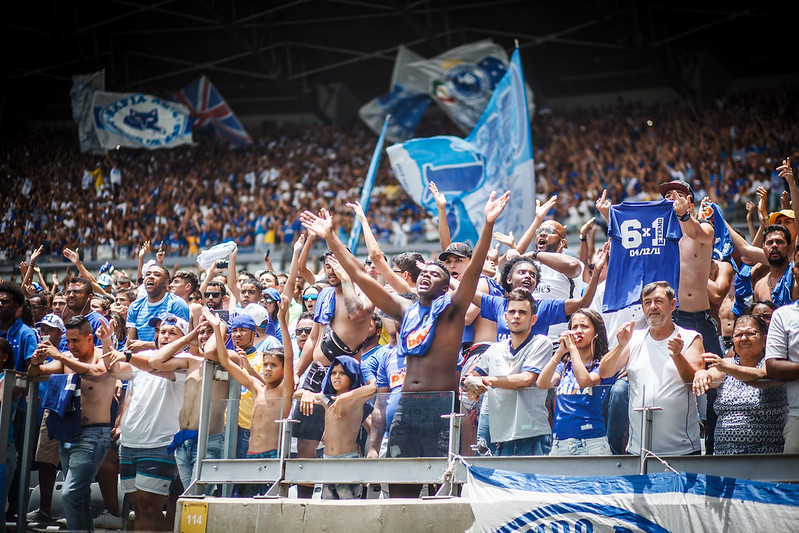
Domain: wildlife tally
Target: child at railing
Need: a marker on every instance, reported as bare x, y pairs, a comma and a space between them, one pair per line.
271, 390
343, 418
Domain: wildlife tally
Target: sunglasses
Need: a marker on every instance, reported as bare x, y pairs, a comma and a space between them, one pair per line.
213, 294
307, 297
269, 301
301, 331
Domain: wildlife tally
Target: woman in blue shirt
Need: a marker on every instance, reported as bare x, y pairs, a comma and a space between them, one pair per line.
578, 427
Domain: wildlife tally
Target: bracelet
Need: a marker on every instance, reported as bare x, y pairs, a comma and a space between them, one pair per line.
534, 255
685, 217
591, 267
583, 238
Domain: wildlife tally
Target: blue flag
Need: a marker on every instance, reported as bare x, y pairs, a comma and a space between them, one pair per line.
496, 156
368, 184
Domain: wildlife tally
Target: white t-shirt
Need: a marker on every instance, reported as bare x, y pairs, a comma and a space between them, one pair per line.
151, 419
655, 381
518, 413
558, 286
783, 343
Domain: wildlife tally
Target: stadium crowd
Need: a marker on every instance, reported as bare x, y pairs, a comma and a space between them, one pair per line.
547, 350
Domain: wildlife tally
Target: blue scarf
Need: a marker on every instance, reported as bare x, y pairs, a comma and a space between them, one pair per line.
722, 244
419, 325
781, 295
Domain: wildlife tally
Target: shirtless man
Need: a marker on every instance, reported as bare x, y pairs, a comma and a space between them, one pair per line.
431, 358
341, 325
774, 285
81, 457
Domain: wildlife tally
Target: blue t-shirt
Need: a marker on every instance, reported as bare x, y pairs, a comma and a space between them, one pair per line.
548, 312
646, 248
23, 340
578, 412
370, 361
141, 311
268, 343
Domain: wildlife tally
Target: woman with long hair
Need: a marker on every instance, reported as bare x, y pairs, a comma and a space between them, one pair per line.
578, 427
750, 416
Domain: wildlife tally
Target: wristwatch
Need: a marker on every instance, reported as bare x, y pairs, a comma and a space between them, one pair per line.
127, 353
534, 255
685, 217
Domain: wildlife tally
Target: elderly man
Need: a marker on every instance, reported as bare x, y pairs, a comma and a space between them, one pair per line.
661, 360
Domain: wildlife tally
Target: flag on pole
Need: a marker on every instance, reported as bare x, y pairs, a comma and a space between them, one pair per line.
504, 501
207, 106
405, 103
496, 156
83, 88
139, 121
368, 184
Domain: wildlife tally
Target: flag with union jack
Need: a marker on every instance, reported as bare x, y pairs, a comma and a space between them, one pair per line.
207, 106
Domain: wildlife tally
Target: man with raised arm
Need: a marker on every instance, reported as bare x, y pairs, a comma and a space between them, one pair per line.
429, 339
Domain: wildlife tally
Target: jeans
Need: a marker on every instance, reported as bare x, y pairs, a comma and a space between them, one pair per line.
594, 446
81, 459
483, 432
186, 458
614, 411
539, 445
242, 443
703, 322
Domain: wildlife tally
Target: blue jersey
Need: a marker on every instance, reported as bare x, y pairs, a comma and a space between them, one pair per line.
391, 374
645, 248
743, 289
141, 311
578, 411
548, 312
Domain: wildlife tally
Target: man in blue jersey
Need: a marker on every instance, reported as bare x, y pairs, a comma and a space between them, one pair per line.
159, 300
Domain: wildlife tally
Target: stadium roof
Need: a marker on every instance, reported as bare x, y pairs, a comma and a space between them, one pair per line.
272, 57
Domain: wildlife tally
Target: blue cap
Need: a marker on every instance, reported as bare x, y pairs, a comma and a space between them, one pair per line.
271, 293
242, 321
170, 318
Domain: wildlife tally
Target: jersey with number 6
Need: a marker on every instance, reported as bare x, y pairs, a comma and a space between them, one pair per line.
645, 248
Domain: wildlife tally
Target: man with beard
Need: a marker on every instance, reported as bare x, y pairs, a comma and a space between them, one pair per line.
341, 325
79, 297
660, 359
776, 285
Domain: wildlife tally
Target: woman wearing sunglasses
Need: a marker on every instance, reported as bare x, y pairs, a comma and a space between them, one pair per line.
309, 297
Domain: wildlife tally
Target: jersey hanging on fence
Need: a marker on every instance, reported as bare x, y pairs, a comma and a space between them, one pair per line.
645, 248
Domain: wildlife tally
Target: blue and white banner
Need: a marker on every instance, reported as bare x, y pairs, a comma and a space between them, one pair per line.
505, 501
82, 94
140, 121
368, 185
406, 102
497, 155
461, 80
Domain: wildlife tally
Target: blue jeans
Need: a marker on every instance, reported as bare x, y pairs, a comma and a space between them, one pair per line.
483, 433
703, 322
81, 459
614, 411
242, 443
186, 458
539, 445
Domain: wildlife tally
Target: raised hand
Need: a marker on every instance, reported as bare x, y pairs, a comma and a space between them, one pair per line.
495, 206
541, 210
603, 205
587, 228
338, 270
762, 204
144, 250
625, 333
508, 240
440, 199
36, 254
71, 256
358, 210
104, 332
321, 226
681, 206
298, 244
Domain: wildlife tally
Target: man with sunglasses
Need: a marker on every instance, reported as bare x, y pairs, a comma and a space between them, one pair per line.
215, 295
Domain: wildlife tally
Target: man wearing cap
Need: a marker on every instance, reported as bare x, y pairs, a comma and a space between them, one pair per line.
456, 257
341, 325
141, 335
787, 218
263, 341
81, 457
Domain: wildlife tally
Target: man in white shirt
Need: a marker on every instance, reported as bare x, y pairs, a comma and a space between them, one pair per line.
661, 361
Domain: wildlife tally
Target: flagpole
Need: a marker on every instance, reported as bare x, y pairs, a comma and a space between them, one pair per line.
368, 184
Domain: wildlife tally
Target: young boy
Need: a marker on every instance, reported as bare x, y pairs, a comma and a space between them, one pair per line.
342, 427
271, 391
